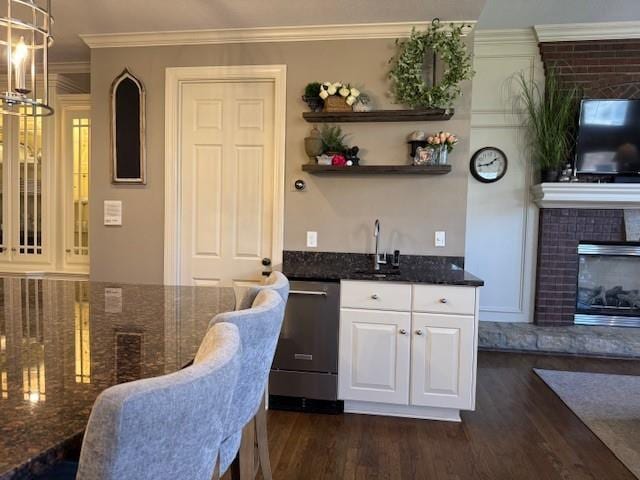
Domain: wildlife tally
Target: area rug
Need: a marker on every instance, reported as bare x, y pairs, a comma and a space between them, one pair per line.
608, 404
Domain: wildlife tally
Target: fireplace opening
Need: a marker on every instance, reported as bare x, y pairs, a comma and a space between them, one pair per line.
608, 284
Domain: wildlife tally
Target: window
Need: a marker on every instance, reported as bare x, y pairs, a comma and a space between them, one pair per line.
30, 195
81, 148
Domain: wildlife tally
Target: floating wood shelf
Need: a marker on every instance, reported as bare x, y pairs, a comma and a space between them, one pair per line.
378, 169
425, 115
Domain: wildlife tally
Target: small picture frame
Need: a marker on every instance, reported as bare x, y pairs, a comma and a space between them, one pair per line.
128, 152
423, 156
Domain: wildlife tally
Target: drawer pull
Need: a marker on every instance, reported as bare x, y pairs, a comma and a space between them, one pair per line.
403, 331
375, 296
443, 300
307, 292
302, 356
418, 332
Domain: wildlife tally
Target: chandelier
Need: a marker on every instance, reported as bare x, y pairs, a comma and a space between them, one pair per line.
25, 33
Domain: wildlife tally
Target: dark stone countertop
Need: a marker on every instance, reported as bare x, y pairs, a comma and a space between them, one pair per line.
64, 342
329, 266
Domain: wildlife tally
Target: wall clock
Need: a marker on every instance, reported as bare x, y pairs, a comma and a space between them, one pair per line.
488, 165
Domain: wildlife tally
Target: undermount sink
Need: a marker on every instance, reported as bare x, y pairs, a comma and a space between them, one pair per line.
378, 273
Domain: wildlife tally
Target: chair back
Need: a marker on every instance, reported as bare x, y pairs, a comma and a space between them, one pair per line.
259, 329
276, 281
166, 427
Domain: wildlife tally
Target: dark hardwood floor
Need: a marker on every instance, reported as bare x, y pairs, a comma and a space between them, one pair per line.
520, 430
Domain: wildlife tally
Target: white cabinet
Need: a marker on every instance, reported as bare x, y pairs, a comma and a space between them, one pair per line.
407, 350
376, 356
442, 357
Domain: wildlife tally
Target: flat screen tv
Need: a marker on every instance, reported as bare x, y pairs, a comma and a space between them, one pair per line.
609, 137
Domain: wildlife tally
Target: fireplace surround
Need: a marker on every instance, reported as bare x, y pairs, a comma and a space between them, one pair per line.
608, 291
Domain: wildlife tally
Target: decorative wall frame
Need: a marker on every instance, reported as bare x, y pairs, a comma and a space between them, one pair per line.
128, 152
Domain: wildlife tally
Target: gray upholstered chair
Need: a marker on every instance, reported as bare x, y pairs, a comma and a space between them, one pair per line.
153, 429
276, 281
259, 331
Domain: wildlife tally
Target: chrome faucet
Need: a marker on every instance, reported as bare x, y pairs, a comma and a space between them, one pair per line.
379, 258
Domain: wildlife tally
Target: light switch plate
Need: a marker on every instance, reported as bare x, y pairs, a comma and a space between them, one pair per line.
440, 239
113, 212
312, 239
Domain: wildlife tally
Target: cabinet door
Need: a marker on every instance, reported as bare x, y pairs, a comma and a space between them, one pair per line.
442, 361
374, 356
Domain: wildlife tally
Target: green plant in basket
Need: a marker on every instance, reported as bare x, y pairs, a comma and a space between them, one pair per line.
333, 140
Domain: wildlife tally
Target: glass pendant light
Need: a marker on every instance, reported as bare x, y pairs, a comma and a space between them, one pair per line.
25, 34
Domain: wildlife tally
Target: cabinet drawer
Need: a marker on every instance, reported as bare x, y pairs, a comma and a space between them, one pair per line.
376, 295
444, 299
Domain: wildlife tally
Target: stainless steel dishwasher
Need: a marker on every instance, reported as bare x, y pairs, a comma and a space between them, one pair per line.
304, 374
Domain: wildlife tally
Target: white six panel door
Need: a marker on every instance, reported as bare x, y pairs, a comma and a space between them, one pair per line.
374, 360
442, 360
227, 181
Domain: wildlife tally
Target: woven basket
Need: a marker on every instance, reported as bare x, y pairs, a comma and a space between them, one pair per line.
336, 103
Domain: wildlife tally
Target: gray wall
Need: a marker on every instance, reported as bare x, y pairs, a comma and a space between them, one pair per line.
341, 210
499, 14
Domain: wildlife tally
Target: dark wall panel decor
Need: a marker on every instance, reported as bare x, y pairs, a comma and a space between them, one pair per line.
127, 129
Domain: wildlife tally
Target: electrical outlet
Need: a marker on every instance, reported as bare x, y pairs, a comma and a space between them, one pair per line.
312, 239
440, 239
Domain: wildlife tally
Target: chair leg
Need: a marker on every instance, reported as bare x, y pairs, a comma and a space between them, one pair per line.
263, 441
246, 453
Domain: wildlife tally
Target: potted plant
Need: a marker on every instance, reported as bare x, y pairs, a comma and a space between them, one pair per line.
551, 123
312, 97
333, 140
338, 96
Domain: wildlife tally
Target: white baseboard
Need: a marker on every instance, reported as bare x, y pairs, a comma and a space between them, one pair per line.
406, 411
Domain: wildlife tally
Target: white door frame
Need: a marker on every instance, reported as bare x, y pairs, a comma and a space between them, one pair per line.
175, 77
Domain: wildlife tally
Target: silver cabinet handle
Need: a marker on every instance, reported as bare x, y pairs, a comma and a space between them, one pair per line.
307, 292
418, 332
375, 296
443, 300
403, 331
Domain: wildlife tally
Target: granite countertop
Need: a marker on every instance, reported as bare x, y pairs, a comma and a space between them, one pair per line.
64, 342
329, 266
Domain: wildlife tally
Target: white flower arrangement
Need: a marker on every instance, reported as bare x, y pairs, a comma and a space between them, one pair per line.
350, 94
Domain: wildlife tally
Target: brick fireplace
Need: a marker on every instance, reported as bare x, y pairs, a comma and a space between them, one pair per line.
560, 232
602, 69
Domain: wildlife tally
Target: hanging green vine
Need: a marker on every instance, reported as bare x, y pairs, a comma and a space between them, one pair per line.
407, 74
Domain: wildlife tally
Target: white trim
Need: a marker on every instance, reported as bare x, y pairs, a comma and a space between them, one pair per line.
305, 33
405, 411
69, 67
174, 78
573, 32
504, 36
587, 195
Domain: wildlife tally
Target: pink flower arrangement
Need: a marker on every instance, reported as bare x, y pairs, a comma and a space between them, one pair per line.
443, 139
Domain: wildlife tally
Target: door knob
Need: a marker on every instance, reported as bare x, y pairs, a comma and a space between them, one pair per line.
418, 332
375, 296
443, 300
266, 261
403, 331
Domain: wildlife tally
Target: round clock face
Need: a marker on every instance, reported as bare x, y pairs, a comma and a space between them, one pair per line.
488, 164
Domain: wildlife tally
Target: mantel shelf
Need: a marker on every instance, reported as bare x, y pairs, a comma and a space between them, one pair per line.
378, 169
587, 195
424, 115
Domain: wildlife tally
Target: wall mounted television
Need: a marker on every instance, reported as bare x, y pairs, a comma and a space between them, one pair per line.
609, 137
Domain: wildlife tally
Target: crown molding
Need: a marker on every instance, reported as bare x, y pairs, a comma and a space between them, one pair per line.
259, 34
574, 32
500, 37
69, 67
